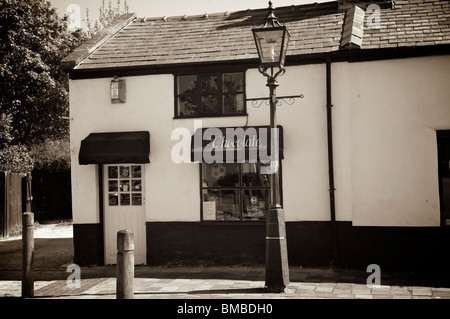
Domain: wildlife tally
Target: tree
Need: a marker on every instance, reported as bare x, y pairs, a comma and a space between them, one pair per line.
13, 158
107, 15
33, 41
51, 155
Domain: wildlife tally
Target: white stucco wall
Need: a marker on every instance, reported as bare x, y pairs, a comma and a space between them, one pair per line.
386, 114
305, 164
384, 117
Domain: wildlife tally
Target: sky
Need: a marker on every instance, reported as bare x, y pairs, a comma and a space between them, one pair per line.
146, 8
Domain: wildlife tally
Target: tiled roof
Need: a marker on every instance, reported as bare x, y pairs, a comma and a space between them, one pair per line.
411, 23
315, 28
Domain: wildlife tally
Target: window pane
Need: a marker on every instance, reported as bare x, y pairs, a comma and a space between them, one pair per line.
125, 200
233, 103
210, 104
187, 107
220, 175
221, 205
112, 172
233, 82
209, 84
187, 84
124, 186
187, 95
256, 204
113, 186
136, 185
251, 175
124, 171
135, 171
113, 200
136, 199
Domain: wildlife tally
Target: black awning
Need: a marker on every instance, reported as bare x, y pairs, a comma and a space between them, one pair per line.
115, 148
228, 142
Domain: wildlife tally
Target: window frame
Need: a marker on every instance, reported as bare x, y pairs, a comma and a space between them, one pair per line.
221, 93
241, 189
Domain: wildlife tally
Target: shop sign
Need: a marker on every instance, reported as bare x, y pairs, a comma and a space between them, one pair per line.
236, 145
228, 145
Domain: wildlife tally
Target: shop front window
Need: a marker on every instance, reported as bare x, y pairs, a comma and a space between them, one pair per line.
235, 192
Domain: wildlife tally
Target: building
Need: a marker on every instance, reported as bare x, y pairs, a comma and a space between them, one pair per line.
364, 173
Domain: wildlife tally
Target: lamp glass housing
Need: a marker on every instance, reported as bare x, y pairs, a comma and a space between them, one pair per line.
271, 43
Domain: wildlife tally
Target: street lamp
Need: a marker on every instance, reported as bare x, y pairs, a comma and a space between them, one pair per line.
271, 42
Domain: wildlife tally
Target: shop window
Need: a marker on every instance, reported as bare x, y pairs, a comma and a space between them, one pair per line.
234, 192
218, 94
125, 185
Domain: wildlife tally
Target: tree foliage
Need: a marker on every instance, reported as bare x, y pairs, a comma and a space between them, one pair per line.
33, 41
13, 158
107, 15
34, 85
51, 155
5, 129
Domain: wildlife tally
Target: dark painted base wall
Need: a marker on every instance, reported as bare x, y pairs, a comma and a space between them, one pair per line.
205, 244
88, 244
309, 245
396, 248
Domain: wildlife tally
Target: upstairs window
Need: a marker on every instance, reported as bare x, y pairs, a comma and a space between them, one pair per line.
212, 94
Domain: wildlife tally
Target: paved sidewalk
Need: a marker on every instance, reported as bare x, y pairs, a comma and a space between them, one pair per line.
229, 283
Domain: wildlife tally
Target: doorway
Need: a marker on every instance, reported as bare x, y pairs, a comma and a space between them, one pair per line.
124, 208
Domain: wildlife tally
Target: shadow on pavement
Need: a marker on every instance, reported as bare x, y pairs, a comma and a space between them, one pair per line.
49, 253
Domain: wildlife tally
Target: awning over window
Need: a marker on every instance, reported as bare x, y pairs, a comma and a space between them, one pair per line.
233, 143
115, 148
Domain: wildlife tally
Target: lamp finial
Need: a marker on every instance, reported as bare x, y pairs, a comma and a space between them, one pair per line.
271, 19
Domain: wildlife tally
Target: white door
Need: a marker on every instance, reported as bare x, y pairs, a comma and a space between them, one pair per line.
124, 209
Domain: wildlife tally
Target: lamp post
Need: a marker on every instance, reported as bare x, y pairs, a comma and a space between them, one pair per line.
271, 42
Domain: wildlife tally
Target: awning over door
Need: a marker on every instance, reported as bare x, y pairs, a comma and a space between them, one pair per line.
115, 148
228, 142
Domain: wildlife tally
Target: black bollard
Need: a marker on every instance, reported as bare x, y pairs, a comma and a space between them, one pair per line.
125, 265
277, 268
28, 255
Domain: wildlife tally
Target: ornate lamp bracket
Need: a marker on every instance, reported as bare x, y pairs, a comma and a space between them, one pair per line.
289, 100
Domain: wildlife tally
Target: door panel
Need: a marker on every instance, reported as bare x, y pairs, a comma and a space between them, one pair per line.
124, 209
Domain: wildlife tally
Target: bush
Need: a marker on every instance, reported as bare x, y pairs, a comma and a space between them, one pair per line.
15, 159
52, 156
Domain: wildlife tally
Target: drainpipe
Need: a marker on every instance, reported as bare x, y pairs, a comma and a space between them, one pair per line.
331, 165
